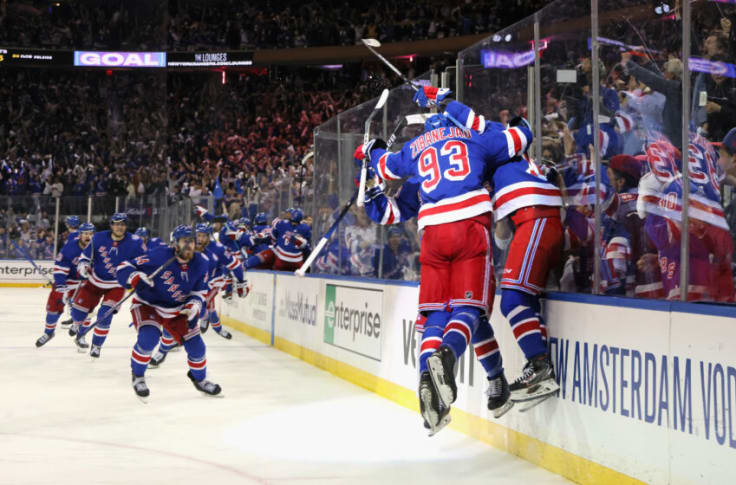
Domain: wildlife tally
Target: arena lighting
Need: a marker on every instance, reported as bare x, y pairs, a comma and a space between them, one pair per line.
504, 38
662, 8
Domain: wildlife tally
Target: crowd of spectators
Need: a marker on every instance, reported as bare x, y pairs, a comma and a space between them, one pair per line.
193, 24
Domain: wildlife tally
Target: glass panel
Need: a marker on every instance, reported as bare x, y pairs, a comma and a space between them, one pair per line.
642, 223
712, 213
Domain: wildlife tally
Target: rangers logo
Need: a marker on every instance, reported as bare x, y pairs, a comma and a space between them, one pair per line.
469, 295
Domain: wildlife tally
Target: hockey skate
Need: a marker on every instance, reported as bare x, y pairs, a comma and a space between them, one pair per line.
537, 380
74, 329
435, 415
66, 323
94, 352
43, 339
157, 360
442, 368
140, 388
205, 386
204, 325
224, 334
499, 396
79, 341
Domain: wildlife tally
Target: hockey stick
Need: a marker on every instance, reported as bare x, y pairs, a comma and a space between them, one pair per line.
33, 263
372, 44
366, 136
323, 241
120, 303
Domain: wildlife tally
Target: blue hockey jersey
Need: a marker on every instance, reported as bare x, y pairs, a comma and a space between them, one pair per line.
65, 266
72, 236
292, 241
452, 164
224, 263
108, 255
383, 209
175, 286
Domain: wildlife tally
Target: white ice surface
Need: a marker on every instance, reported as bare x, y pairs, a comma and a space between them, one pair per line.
67, 420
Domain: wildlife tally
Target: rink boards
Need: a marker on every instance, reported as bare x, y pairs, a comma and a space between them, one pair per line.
20, 272
647, 388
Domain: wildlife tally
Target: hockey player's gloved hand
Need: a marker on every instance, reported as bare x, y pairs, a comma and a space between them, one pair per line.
373, 192
520, 121
429, 96
199, 210
191, 311
83, 270
137, 278
364, 151
242, 288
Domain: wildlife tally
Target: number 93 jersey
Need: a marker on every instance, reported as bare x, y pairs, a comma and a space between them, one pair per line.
452, 165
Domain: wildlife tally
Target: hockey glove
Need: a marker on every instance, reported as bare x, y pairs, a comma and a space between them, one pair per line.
430, 96
83, 270
520, 121
191, 311
365, 150
372, 193
242, 288
199, 210
139, 277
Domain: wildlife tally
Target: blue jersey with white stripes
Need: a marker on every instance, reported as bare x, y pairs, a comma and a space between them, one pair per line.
65, 266
108, 254
175, 285
452, 165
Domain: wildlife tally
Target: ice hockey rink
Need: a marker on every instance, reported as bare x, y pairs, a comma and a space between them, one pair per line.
65, 419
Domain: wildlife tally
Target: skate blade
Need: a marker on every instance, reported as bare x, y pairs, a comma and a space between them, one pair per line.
220, 395
94, 359
529, 405
425, 395
176, 349
500, 411
143, 399
437, 373
82, 350
443, 422
544, 388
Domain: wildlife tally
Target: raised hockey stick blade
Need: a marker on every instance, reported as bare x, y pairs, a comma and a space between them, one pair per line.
372, 44
366, 136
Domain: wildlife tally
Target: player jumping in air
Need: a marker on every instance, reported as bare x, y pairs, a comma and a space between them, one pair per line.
456, 247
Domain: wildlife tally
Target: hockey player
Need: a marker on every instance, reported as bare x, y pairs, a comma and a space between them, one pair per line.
291, 241
455, 250
525, 199
220, 261
72, 226
402, 207
66, 279
150, 242
170, 300
98, 264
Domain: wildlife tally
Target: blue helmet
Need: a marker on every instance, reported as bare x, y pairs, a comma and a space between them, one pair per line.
87, 227
181, 232
243, 222
72, 221
296, 215
143, 232
261, 219
203, 228
436, 121
119, 217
